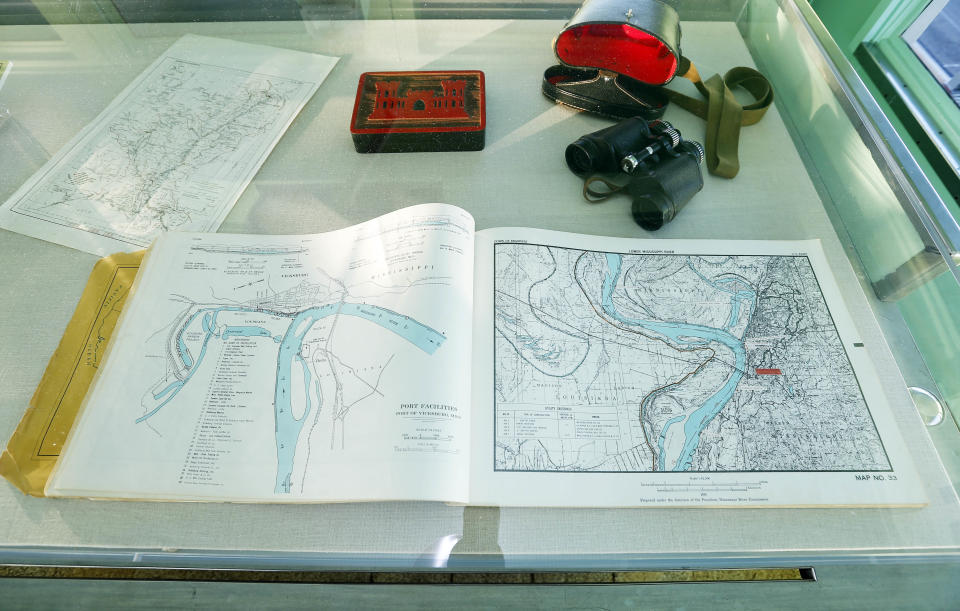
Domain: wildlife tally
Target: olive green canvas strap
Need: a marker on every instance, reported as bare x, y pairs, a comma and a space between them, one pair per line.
723, 112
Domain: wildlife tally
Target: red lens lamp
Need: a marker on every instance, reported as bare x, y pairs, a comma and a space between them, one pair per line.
614, 55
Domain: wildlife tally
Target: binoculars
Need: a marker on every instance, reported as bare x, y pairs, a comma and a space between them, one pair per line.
663, 168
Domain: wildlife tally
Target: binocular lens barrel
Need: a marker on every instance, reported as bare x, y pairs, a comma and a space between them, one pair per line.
581, 156
659, 197
601, 151
652, 212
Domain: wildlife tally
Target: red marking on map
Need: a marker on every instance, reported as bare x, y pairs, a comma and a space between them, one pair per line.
768, 372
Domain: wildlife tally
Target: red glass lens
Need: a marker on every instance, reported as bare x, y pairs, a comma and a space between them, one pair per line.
620, 48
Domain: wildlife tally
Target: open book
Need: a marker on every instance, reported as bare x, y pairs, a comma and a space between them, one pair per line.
412, 358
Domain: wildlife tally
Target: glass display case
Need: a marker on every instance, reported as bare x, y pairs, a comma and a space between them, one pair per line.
824, 163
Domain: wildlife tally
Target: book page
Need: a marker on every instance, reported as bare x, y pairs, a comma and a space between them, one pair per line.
613, 372
331, 367
173, 151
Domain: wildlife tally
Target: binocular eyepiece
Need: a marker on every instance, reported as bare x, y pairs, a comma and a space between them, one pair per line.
664, 169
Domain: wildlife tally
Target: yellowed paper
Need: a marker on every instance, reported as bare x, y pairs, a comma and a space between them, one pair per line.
35, 445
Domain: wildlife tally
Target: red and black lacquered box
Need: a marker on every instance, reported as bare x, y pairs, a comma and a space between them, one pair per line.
402, 112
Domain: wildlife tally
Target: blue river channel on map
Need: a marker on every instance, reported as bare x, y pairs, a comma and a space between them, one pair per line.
689, 335
288, 427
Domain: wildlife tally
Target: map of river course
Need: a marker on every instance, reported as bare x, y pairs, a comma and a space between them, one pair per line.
613, 362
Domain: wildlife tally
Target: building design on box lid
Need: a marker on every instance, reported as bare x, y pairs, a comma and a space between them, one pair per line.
419, 103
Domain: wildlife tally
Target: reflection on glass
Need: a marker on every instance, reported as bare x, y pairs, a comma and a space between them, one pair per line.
933, 38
